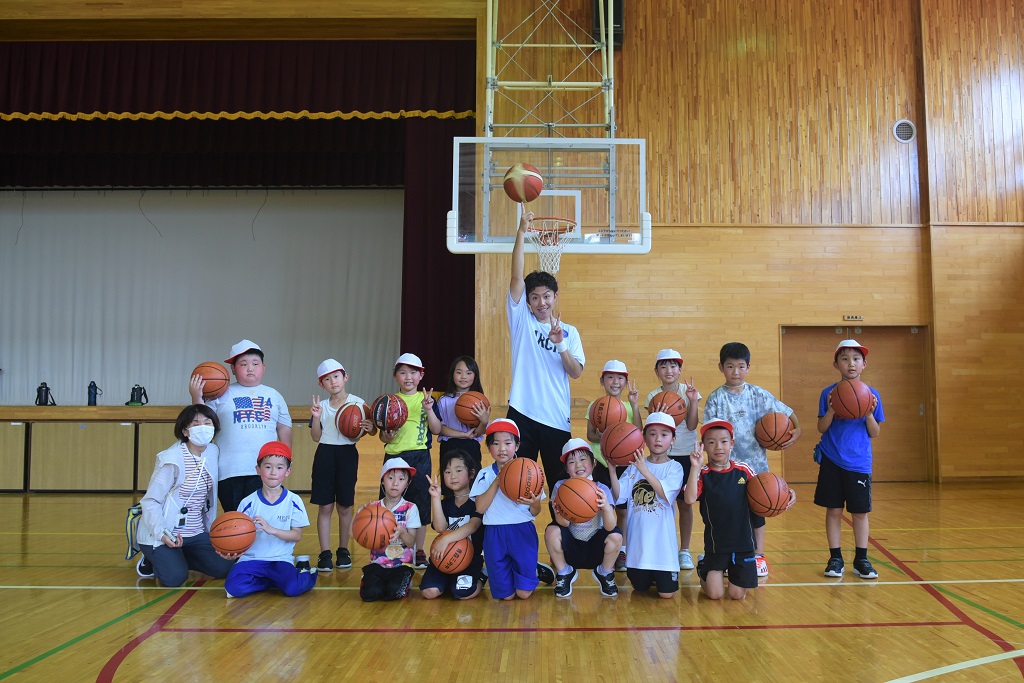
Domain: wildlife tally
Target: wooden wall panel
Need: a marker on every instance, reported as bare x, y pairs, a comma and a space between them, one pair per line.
974, 84
82, 456
979, 334
12, 456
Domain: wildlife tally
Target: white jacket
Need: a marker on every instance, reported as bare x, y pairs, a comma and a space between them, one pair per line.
162, 503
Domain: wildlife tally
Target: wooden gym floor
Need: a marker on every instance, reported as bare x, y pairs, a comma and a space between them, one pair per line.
948, 606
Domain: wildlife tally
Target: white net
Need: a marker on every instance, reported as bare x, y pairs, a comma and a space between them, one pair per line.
549, 236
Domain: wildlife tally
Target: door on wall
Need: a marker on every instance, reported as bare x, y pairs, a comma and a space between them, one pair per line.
897, 366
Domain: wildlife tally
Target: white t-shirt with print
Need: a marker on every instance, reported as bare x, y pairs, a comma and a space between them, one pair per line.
248, 419
650, 519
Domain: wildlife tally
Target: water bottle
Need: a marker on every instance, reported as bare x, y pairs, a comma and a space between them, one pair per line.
139, 396
94, 391
43, 396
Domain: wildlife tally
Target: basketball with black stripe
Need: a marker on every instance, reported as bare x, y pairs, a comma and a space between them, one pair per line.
373, 527
389, 412
520, 478
620, 442
349, 419
851, 399
232, 533
606, 411
669, 402
772, 430
456, 557
576, 500
767, 494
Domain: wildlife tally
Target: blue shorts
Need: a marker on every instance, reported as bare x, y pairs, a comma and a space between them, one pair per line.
510, 553
254, 576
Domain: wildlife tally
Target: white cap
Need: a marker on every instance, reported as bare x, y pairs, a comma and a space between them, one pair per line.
410, 359
663, 419
397, 464
850, 344
240, 348
576, 444
327, 367
616, 366
668, 354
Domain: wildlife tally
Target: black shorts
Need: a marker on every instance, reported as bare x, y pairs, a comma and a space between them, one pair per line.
683, 460
837, 486
756, 521
232, 490
742, 567
585, 554
535, 438
461, 586
601, 476
663, 581
418, 492
335, 470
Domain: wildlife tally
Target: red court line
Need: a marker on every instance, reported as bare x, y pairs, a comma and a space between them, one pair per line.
566, 629
944, 601
106, 674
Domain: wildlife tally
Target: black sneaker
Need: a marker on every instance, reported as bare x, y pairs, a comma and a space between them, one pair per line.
302, 563
421, 560
323, 561
546, 574
563, 584
144, 568
607, 584
864, 570
344, 558
835, 567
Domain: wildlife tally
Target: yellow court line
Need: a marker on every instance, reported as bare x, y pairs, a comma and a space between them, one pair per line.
957, 667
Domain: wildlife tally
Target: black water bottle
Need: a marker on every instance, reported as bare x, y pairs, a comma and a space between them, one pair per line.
94, 391
43, 396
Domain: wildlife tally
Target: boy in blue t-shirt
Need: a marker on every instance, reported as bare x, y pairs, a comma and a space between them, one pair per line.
844, 471
280, 517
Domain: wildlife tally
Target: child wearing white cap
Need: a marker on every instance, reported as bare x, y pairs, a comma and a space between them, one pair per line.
668, 366
389, 574
251, 414
335, 463
411, 440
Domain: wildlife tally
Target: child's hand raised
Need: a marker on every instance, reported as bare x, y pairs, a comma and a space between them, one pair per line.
316, 409
692, 395
435, 486
697, 456
640, 461
195, 388
634, 393
428, 399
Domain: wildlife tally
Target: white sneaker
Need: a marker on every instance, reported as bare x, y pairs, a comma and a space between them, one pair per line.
762, 565
685, 560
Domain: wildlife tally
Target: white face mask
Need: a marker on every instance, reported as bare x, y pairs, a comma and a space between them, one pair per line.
200, 435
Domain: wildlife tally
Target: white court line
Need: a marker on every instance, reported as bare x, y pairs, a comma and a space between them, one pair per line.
957, 667
822, 584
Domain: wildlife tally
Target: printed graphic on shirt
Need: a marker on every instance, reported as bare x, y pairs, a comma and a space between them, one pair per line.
544, 342
251, 409
645, 500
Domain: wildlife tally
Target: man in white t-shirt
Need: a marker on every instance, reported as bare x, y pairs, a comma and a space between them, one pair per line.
545, 353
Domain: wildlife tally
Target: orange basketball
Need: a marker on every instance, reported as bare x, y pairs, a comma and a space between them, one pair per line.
606, 411
772, 430
464, 407
576, 499
767, 494
373, 526
457, 555
523, 183
216, 377
851, 399
674, 405
232, 533
348, 418
521, 477
389, 412
620, 441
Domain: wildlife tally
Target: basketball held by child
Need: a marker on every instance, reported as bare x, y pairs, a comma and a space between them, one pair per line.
373, 527
767, 494
576, 500
464, 406
523, 183
772, 430
606, 411
216, 377
389, 412
456, 557
521, 478
851, 399
232, 533
349, 419
620, 442
668, 402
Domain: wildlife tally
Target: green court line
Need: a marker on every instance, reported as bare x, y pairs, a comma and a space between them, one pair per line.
986, 610
73, 641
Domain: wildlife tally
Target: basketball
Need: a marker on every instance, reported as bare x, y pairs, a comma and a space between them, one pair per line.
767, 494
464, 407
772, 430
216, 377
620, 442
523, 183
232, 533
576, 500
674, 405
457, 555
389, 412
348, 419
606, 411
373, 526
851, 399
521, 477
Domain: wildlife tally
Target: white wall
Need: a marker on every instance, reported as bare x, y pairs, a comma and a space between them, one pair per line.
126, 287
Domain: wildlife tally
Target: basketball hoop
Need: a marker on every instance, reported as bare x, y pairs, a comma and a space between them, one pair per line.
549, 236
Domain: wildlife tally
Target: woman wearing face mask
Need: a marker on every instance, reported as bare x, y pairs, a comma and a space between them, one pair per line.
180, 504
